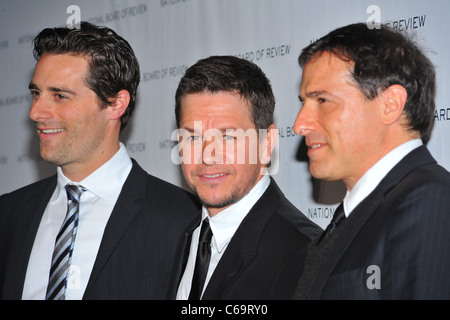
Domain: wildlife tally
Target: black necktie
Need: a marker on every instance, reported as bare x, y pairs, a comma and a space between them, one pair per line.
338, 217
316, 254
202, 261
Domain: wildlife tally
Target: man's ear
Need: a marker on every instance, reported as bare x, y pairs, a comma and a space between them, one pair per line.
119, 105
394, 99
269, 144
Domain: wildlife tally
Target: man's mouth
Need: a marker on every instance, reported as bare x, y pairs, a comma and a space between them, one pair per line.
49, 131
212, 176
315, 147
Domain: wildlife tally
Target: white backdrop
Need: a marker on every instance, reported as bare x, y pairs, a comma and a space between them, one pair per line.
170, 35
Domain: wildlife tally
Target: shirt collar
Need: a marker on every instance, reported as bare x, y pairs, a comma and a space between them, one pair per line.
226, 222
370, 180
105, 182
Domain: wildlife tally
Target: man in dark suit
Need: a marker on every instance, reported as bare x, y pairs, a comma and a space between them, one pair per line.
257, 238
118, 238
368, 104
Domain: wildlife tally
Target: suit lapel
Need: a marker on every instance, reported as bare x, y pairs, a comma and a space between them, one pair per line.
124, 212
356, 220
181, 257
244, 246
364, 211
30, 217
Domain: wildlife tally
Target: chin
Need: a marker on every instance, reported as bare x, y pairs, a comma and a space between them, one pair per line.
320, 175
218, 202
319, 171
215, 203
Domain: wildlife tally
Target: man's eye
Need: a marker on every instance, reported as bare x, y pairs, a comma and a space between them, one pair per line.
228, 137
35, 94
322, 100
194, 138
60, 96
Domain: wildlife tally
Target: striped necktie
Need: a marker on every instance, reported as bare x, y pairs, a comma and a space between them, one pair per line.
65, 240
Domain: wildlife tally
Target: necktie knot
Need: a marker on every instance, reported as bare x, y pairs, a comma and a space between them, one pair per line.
338, 217
73, 192
205, 232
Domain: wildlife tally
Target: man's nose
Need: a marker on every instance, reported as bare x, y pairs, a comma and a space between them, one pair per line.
304, 122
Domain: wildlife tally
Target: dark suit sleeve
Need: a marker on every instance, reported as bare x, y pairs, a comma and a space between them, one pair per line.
417, 249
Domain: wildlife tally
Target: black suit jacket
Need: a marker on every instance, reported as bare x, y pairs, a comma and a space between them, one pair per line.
263, 259
396, 243
138, 244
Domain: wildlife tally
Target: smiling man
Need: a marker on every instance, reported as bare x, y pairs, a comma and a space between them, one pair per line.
257, 238
74, 132
215, 172
93, 230
367, 108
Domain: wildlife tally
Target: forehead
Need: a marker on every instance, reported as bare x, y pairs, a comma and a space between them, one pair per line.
326, 69
218, 109
62, 65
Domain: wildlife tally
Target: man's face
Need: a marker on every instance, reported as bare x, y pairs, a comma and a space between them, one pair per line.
218, 160
342, 128
70, 124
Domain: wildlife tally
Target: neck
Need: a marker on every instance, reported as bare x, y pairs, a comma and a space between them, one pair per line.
383, 151
79, 170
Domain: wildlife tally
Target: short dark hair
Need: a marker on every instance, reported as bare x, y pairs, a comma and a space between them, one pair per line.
383, 57
113, 65
230, 74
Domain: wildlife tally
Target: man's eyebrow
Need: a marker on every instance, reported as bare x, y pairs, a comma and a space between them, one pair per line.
222, 130
33, 86
313, 94
316, 93
65, 90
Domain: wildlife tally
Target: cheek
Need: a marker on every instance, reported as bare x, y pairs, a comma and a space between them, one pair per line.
345, 128
190, 153
246, 176
244, 152
187, 170
354, 141
233, 153
91, 125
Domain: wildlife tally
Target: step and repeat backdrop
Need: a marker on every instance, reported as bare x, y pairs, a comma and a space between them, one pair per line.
170, 35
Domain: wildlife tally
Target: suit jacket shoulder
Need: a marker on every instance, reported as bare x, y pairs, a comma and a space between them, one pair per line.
20, 215
265, 256
140, 238
401, 228
21, 205
10, 201
137, 246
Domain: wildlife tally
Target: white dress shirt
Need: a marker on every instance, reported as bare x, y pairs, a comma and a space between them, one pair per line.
223, 226
96, 204
370, 180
